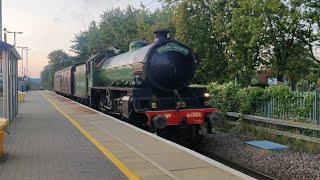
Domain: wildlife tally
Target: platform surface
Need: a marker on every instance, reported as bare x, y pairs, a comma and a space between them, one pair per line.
44, 145
56, 138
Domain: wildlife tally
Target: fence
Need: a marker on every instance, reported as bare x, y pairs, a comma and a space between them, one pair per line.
303, 106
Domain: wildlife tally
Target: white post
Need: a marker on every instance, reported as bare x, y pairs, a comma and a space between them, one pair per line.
14, 39
1, 20
27, 68
22, 74
5, 84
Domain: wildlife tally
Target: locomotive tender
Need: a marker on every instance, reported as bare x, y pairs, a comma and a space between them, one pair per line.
147, 86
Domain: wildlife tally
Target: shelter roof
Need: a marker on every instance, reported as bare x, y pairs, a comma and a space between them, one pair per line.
6, 46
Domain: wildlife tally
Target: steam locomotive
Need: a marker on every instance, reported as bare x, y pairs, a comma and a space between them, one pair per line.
147, 87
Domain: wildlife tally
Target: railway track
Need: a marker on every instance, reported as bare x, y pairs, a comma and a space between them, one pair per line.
245, 170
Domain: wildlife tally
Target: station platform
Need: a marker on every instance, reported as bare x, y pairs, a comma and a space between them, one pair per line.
56, 138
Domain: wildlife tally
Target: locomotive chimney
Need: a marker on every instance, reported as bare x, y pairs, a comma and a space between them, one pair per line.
161, 34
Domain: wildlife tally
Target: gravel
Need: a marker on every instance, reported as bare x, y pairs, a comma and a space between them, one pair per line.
285, 165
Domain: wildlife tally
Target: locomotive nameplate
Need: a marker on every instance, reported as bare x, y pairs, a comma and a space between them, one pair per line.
172, 47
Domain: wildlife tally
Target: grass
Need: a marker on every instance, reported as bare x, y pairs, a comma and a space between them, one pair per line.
261, 131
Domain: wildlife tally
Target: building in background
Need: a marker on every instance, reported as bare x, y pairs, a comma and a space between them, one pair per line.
34, 84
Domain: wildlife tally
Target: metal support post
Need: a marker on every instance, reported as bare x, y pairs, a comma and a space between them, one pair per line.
6, 99
1, 20
22, 72
27, 67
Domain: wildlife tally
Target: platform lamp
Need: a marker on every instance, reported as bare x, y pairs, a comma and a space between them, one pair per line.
27, 67
22, 48
14, 35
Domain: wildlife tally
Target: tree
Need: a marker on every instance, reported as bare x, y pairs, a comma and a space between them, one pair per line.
148, 22
46, 78
276, 28
197, 25
118, 28
300, 65
80, 45
59, 60
94, 45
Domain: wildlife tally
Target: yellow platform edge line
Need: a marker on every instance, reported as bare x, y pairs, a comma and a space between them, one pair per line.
123, 168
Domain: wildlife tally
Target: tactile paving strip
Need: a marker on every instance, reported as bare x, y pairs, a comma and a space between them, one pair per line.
139, 165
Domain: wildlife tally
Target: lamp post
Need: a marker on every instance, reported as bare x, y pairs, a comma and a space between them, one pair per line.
14, 35
1, 21
27, 67
22, 70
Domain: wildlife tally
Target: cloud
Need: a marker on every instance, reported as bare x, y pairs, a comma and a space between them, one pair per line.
97, 4
56, 20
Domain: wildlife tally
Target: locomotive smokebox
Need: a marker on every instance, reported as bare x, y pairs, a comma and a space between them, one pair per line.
161, 34
169, 64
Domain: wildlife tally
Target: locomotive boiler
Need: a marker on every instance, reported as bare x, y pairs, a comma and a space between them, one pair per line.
147, 86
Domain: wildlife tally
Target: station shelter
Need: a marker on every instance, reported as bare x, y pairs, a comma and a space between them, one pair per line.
9, 80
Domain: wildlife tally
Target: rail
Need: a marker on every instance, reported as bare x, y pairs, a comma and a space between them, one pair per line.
314, 128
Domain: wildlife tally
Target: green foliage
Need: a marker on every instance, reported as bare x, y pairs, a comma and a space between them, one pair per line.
280, 95
302, 110
58, 60
233, 38
297, 104
273, 33
118, 27
215, 90
198, 24
80, 45
231, 97
223, 96
302, 85
46, 78
290, 104
251, 99
285, 103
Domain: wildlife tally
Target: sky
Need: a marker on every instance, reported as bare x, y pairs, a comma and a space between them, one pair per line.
48, 25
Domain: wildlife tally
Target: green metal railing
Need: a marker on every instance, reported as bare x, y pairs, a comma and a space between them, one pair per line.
297, 108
